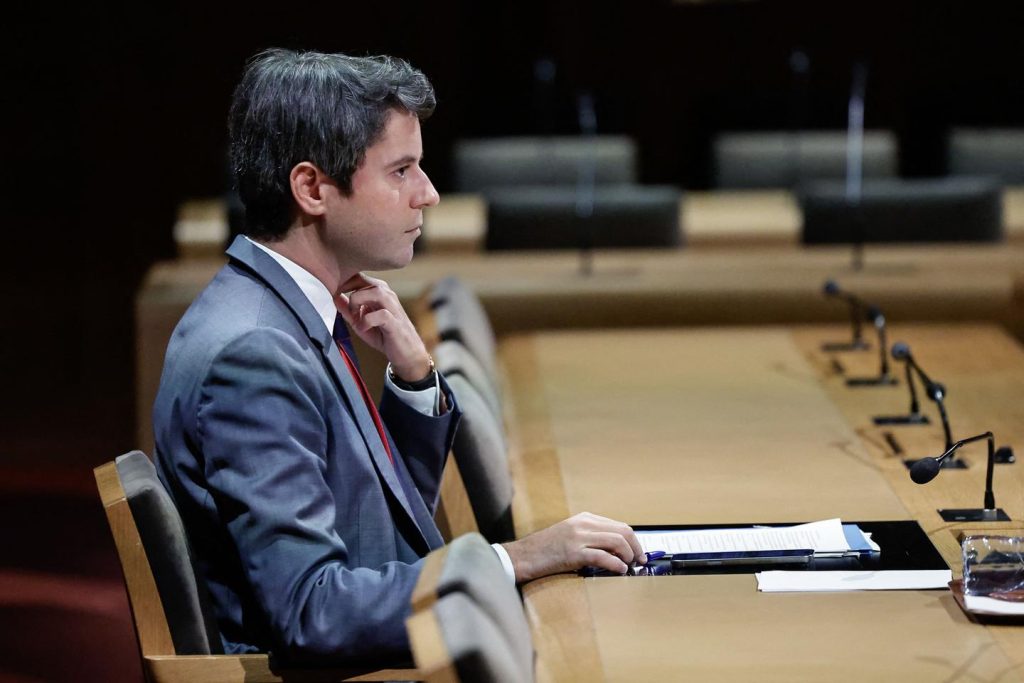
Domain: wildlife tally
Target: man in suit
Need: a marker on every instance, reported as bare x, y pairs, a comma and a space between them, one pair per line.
308, 508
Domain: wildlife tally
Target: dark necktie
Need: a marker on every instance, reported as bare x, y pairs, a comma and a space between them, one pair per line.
344, 341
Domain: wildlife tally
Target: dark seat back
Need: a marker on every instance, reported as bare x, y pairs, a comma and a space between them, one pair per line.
489, 163
185, 601
554, 218
954, 209
785, 159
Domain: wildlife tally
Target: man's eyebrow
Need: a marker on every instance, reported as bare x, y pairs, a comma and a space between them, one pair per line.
405, 161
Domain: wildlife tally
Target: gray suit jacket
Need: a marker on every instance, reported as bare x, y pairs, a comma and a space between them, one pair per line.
308, 537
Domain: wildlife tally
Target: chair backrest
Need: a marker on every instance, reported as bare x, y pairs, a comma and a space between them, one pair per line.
489, 163
170, 608
621, 216
480, 451
470, 566
455, 641
953, 209
453, 358
459, 316
997, 152
785, 159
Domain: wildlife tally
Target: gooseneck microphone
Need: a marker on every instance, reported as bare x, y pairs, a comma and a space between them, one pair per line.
857, 343
926, 469
901, 351
934, 391
877, 320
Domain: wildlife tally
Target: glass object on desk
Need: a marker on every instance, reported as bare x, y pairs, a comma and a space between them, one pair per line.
993, 565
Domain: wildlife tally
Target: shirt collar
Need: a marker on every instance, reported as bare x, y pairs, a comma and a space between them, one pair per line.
315, 291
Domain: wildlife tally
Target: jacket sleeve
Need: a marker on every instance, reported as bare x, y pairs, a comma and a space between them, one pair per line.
263, 438
424, 441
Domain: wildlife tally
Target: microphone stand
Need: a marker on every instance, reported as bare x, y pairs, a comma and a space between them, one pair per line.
915, 416
855, 160
883, 378
937, 394
586, 179
857, 343
926, 469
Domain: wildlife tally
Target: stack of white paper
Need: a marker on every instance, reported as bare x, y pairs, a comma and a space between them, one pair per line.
783, 581
825, 537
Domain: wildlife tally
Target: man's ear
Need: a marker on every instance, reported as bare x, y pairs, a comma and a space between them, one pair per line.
306, 181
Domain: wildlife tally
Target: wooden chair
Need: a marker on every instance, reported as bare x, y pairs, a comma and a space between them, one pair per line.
459, 314
481, 453
177, 640
454, 641
452, 358
469, 567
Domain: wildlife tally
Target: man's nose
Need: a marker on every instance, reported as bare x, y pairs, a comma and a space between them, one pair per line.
427, 196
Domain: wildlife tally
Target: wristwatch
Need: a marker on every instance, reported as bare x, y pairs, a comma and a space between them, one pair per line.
427, 382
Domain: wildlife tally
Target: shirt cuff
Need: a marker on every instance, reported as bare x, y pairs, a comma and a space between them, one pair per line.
506, 562
426, 401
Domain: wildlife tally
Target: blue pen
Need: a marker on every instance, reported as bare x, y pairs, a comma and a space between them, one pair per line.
655, 555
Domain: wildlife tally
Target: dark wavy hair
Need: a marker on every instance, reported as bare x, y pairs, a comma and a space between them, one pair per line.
327, 109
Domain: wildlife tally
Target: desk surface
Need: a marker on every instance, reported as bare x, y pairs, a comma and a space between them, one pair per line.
663, 426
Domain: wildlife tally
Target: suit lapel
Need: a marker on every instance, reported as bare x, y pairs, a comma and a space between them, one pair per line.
268, 270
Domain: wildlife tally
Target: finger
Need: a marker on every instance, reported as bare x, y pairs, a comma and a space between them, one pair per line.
380, 318
594, 557
357, 281
634, 543
378, 297
344, 307
598, 523
612, 542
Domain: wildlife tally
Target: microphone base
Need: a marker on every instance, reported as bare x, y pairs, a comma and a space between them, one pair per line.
947, 464
882, 381
912, 419
974, 515
856, 345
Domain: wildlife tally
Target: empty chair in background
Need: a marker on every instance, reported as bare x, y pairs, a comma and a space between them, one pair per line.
996, 152
954, 209
781, 159
488, 163
458, 315
622, 216
481, 454
453, 358
455, 640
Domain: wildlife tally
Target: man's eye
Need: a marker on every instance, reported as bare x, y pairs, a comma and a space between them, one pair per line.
401, 171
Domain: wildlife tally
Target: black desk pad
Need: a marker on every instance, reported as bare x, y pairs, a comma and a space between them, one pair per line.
904, 546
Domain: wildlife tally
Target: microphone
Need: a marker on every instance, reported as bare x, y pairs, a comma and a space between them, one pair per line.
926, 469
832, 290
937, 394
934, 391
877, 319
901, 351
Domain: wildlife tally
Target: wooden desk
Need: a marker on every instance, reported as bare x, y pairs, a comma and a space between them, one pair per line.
651, 288
741, 425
